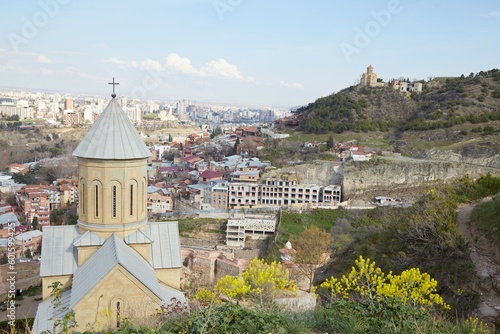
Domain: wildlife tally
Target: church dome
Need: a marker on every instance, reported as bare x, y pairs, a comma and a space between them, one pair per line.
112, 137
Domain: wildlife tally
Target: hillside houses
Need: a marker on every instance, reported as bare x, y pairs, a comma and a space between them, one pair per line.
208, 180
39, 200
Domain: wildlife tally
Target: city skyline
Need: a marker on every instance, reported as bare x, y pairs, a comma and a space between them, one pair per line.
237, 51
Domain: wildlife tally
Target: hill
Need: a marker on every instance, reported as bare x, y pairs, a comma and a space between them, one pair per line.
452, 119
443, 103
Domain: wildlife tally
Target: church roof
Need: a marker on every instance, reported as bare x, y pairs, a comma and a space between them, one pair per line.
112, 136
59, 255
88, 239
166, 246
138, 237
113, 252
44, 320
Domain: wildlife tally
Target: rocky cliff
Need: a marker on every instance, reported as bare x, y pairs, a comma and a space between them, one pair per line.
399, 176
391, 175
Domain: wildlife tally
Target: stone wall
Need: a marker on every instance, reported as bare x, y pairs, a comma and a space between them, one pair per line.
319, 172
209, 266
27, 274
398, 177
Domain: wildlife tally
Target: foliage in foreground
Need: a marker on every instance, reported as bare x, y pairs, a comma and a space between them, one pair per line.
396, 301
485, 217
260, 282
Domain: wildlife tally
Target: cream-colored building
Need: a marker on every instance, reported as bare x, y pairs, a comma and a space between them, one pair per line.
370, 78
284, 190
114, 264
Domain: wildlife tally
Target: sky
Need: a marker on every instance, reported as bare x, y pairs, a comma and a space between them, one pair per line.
279, 53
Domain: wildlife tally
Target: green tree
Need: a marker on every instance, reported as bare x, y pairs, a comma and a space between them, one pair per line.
34, 223
28, 254
311, 246
236, 143
260, 282
329, 142
63, 320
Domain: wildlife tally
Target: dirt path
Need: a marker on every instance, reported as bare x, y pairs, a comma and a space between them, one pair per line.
484, 255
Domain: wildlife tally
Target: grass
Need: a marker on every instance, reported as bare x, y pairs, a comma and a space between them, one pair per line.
372, 139
189, 225
293, 223
485, 216
33, 290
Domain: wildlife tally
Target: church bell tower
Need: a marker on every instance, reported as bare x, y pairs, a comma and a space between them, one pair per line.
112, 164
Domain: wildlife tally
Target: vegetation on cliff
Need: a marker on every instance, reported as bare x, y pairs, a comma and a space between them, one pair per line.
443, 103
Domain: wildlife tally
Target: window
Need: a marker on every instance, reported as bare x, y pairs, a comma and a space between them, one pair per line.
97, 201
83, 199
131, 199
114, 201
118, 311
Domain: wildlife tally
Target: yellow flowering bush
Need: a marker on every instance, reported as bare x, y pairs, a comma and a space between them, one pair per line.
206, 297
260, 280
269, 278
367, 283
475, 326
233, 287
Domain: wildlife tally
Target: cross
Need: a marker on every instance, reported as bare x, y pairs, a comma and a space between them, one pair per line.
114, 84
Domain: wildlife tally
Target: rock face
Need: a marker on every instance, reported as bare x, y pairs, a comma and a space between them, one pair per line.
479, 154
388, 175
319, 172
400, 175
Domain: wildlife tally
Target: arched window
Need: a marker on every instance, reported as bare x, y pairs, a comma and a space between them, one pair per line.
82, 204
96, 200
118, 314
131, 199
114, 201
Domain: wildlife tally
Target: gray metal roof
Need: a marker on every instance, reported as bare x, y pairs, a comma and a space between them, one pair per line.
88, 239
112, 136
138, 237
44, 319
166, 246
8, 217
113, 252
59, 255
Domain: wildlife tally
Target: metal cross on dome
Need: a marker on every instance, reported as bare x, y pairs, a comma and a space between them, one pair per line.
114, 84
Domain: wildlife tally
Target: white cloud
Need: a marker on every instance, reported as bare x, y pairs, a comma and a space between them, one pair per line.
221, 68
44, 60
180, 64
491, 14
2, 50
175, 63
296, 85
116, 61
152, 65
6, 68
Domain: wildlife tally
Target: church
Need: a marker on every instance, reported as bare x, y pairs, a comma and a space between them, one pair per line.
114, 264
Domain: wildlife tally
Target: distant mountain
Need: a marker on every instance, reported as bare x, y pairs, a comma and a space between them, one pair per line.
443, 103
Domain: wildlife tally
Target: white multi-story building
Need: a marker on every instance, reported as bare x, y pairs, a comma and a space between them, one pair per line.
332, 194
284, 190
243, 194
159, 204
239, 228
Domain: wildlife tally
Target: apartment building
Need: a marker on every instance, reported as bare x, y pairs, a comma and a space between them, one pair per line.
241, 227
332, 194
284, 190
243, 194
219, 195
157, 203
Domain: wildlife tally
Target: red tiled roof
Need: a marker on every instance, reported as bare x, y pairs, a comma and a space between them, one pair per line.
211, 174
